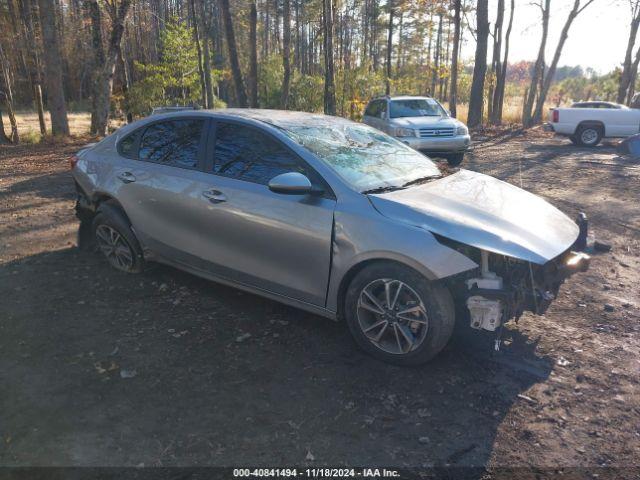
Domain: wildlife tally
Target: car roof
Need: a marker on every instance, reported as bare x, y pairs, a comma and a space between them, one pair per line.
410, 97
278, 118
597, 102
401, 97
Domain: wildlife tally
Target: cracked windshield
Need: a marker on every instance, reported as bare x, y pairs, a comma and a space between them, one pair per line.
366, 159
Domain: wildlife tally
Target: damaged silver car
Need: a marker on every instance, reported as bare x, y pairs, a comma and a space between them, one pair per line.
327, 215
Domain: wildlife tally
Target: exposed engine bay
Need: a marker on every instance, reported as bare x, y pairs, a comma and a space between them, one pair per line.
503, 288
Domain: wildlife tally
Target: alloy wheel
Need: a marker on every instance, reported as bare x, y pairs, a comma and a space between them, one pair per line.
392, 316
113, 245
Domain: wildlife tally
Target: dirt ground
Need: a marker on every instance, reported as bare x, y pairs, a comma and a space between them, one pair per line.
102, 368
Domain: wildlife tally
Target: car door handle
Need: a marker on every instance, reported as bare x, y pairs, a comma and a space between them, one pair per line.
127, 177
214, 196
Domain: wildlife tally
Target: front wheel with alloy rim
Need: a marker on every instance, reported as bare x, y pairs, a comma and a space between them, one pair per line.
397, 315
117, 242
589, 135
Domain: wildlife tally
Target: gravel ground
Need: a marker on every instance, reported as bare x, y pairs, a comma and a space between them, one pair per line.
100, 368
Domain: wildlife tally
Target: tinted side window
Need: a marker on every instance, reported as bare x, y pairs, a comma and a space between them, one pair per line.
174, 143
376, 108
127, 146
247, 154
372, 110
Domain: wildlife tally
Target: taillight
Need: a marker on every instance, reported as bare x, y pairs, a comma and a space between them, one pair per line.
556, 116
73, 160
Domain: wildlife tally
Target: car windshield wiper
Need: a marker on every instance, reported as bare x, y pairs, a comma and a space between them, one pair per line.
420, 180
386, 188
391, 188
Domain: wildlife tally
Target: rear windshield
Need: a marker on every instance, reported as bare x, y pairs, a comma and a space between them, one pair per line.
416, 107
365, 158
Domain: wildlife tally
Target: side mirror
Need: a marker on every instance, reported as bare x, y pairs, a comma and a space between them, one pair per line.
291, 183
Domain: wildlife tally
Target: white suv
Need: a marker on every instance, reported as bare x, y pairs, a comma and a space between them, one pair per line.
421, 123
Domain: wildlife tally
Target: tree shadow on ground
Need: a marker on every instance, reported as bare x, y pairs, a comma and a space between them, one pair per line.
58, 186
104, 368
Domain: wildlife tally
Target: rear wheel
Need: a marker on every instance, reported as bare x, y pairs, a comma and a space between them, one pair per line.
589, 135
397, 315
117, 242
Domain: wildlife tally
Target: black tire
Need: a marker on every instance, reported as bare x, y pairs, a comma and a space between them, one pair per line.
589, 135
107, 220
438, 308
455, 159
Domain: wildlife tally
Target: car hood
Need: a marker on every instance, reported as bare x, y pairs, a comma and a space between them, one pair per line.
422, 122
483, 212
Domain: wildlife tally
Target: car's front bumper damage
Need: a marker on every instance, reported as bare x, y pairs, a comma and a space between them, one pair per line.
528, 287
503, 287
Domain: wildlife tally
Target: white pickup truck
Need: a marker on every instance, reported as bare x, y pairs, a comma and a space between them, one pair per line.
587, 123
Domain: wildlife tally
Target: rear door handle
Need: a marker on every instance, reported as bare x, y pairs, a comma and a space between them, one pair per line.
214, 196
127, 177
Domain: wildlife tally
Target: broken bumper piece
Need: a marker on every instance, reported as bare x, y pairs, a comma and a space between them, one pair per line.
490, 307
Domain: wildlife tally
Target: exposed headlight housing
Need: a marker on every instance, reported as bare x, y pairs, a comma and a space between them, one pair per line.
404, 132
462, 130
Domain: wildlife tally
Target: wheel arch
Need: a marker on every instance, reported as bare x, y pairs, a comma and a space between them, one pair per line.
591, 123
106, 202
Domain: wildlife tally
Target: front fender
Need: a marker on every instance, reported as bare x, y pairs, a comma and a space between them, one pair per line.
359, 238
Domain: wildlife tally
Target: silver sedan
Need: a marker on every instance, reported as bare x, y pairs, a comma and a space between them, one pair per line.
327, 215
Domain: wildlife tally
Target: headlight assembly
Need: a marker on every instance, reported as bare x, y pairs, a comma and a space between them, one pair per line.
405, 132
462, 130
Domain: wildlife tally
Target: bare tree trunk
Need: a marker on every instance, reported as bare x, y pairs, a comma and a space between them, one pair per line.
7, 94
206, 60
633, 77
241, 95
436, 60
297, 44
53, 69
501, 80
126, 83
103, 83
209, 34
538, 71
453, 95
329, 74
496, 65
551, 71
276, 25
3, 135
444, 80
429, 66
98, 52
476, 102
286, 52
26, 12
399, 55
196, 39
627, 66
365, 31
375, 45
253, 56
389, 48
19, 36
